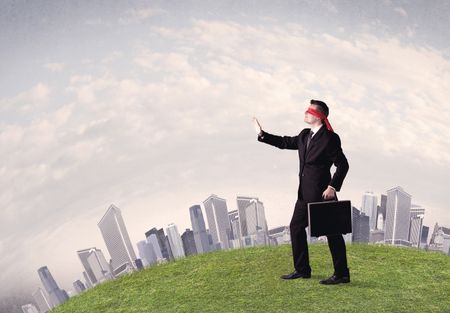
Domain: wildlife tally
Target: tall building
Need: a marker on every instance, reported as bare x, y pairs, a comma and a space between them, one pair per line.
87, 280
440, 239
235, 236
360, 226
235, 225
117, 240
99, 265
199, 229
252, 211
219, 224
175, 241
42, 300
56, 295
280, 235
242, 204
29, 308
416, 222
83, 255
188, 242
369, 208
424, 237
163, 242
153, 240
381, 215
78, 286
397, 217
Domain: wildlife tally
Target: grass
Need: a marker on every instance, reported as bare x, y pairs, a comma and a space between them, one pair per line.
383, 279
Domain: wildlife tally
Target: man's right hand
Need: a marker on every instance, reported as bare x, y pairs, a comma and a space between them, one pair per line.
258, 127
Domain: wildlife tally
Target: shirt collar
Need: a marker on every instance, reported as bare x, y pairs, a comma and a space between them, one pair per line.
316, 129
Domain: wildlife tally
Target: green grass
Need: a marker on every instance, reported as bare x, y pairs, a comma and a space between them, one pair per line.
383, 279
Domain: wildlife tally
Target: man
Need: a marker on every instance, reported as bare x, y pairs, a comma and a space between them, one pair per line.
318, 148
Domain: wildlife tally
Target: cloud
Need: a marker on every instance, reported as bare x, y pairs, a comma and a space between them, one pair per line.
176, 126
401, 11
134, 15
55, 67
26, 101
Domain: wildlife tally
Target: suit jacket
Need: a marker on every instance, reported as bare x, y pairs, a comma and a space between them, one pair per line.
315, 163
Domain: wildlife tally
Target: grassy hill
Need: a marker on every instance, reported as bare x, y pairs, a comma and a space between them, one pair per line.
384, 279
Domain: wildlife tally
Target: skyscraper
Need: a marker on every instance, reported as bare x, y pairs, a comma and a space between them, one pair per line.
79, 286
369, 208
146, 252
99, 265
360, 226
42, 300
381, 215
397, 217
153, 240
235, 240
29, 308
218, 222
163, 242
117, 240
175, 241
56, 295
188, 242
242, 204
256, 225
199, 229
416, 222
83, 255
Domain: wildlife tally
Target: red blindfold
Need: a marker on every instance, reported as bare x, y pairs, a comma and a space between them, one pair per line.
321, 116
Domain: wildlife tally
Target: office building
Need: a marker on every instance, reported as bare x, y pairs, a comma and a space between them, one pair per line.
83, 255
117, 241
55, 295
398, 208
42, 300
218, 222
163, 243
175, 241
369, 208
417, 214
199, 229
360, 226
189, 242
235, 235
100, 267
381, 212
78, 286
29, 308
252, 211
280, 235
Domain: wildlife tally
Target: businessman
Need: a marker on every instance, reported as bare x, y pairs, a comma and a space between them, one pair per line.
319, 147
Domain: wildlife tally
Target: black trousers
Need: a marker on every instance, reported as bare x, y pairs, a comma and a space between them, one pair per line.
299, 242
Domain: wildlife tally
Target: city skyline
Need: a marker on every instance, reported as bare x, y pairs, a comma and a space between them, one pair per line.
360, 234
148, 106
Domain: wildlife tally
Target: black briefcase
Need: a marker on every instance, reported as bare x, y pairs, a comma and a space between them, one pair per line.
329, 218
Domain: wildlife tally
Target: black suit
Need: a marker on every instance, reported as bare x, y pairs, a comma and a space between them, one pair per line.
315, 164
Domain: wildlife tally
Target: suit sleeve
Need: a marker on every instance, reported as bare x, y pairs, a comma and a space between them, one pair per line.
282, 142
334, 152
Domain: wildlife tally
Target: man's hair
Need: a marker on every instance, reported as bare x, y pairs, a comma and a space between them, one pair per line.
321, 106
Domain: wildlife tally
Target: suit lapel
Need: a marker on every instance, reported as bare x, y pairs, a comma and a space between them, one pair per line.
315, 139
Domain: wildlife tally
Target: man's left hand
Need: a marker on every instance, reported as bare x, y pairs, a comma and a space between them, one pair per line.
329, 193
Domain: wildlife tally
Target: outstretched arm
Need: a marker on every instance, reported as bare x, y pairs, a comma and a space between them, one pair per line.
282, 142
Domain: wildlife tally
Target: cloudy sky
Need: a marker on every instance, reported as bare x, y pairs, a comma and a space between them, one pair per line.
148, 105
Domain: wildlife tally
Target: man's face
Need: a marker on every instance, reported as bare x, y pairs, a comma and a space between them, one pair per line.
309, 118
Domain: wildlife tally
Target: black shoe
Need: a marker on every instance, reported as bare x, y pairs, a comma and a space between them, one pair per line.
333, 280
295, 275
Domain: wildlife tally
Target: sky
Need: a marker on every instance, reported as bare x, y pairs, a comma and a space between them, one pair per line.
148, 105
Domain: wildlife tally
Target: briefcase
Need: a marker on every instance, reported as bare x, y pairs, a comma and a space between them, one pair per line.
329, 218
